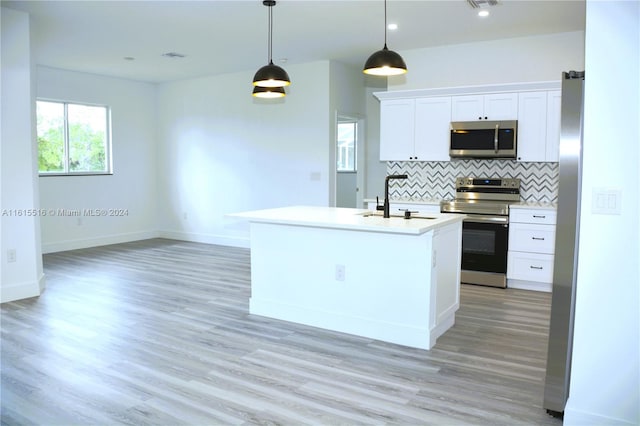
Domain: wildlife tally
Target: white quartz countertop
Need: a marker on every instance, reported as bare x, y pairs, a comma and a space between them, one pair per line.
350, 219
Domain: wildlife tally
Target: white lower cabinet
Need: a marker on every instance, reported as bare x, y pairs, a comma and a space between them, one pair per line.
532, 236
533, 267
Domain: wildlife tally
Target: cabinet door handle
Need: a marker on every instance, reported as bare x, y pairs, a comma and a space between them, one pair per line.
536, 267
495, 139
539, 216
538, 238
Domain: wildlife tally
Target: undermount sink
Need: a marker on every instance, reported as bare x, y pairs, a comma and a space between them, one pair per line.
400, 215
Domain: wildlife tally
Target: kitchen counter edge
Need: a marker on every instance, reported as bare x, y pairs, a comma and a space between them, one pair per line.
348, 219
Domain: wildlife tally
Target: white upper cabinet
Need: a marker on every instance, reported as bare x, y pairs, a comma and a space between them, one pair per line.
495, 106
432, 129
538, 126
397, 118
415, 129
415, 125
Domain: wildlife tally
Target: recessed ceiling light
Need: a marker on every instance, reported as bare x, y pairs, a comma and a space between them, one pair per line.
483, 13
392, 27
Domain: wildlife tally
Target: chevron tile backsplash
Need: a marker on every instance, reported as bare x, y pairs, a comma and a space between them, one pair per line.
436, 180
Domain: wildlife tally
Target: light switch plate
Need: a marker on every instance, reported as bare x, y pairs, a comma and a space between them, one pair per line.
606, 201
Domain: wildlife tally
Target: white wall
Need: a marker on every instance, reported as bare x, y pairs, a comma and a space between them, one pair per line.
20, 231
605, 382
346, 99
514, 60
132, 187
376, 169
222, 151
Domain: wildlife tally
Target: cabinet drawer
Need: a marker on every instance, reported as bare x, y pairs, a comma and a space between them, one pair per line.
540, 216
532, 238
530, 266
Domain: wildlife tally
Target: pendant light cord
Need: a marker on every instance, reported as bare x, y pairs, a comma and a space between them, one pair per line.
385, 24
270, 32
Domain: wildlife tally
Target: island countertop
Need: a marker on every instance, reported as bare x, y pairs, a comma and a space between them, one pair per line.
350, 219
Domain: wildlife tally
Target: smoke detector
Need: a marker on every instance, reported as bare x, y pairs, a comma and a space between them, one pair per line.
480, 4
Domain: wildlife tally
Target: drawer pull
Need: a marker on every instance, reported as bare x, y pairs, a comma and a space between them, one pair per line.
536, 267
539, 216
538, 238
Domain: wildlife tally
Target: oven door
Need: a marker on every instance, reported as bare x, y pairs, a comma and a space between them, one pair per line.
484, 249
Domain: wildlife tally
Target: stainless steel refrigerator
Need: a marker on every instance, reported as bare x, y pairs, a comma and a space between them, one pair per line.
556, 389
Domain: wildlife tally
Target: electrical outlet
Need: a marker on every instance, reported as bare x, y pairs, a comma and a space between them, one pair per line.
11, 255
340, 272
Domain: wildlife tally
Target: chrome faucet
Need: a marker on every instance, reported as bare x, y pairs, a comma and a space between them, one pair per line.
386, 192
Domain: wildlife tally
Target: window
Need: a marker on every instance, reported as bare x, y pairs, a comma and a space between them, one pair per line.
346, 147
73, 139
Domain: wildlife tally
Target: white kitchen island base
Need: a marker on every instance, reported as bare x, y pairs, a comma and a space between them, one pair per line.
400, 287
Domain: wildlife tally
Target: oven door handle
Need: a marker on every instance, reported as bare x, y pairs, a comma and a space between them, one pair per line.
479, 218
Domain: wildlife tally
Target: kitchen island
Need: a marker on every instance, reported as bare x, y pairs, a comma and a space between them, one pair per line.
353, 271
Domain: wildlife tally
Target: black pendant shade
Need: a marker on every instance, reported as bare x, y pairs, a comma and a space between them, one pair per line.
271, 75
268, 92
385, 62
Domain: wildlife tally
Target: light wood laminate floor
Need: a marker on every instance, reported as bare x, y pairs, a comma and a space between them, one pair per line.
158, 332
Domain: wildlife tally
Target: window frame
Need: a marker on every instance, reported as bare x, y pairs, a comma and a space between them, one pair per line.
65, 135
354, 123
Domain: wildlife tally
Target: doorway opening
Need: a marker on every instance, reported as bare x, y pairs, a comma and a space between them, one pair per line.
348, 170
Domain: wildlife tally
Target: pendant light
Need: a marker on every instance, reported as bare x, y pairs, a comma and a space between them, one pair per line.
385, 62
268, 92
271, 75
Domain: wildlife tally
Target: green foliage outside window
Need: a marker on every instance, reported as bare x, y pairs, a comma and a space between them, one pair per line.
72, 138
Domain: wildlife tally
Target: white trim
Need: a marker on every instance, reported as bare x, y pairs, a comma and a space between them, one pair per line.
23, 290
371, 328
446, 320
145, 235
529, 285
468, 90
98, 241
583, 418
193, 237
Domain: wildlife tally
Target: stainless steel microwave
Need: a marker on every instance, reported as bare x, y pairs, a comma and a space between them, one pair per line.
483, 139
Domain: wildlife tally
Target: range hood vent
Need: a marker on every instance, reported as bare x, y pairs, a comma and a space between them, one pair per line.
478, 4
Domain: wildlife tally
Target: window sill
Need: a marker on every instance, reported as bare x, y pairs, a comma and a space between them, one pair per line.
76, 174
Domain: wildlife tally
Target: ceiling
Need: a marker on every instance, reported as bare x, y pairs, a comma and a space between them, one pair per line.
219, 37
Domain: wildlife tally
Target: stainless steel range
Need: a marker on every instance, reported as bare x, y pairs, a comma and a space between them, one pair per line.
485, 232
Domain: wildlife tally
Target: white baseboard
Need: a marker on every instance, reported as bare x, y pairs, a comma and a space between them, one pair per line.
206, 238
344, 322
23, 290
574, 417
145, 235
98, 241
529, 285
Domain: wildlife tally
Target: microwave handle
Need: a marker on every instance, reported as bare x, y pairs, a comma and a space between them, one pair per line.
495, 139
